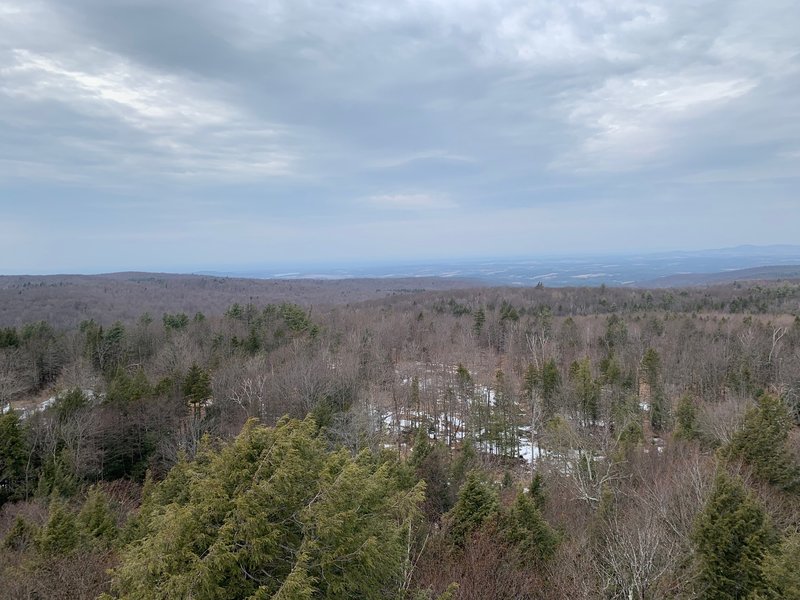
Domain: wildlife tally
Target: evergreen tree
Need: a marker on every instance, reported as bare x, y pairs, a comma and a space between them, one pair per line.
782, 570
70, 403
616, 333
478, 319
96, 519
13, 457
422, 446
551, 382
586, 390
60, 535
536, 491
530, 381
651, 368
505, 416
732, 535
21, 536
525, 528
197, 385
477, 503
762, 443
464, 462
272, 514
686, 419
298, 585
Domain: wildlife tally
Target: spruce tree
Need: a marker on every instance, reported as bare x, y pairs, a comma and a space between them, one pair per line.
477, 503
732, 535
686, 419
762, 443
272, 514
659, 410
525, 528
782, 570
13, 457
551, 382
586, 390
96, 519
60, 535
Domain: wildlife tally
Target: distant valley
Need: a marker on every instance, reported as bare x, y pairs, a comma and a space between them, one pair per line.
668, 269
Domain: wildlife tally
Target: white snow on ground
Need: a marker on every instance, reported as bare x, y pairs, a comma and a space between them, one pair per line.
49, 402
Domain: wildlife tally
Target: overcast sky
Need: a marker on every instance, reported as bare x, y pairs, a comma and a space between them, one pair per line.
196, 134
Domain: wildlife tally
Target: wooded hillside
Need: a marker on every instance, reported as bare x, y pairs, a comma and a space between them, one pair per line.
469, 443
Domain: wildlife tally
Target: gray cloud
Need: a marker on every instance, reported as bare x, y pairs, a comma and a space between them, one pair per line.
371, 115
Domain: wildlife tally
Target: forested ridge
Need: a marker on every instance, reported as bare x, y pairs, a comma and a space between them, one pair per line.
473, 443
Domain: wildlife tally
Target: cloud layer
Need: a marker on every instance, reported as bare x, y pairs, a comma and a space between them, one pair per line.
182, 135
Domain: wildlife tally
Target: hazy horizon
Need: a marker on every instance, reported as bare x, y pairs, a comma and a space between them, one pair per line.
185, 136
558, 270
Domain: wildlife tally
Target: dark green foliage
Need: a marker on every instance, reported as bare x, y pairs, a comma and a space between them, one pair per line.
762, 443
56, 477
630, 436
686, 419
298, 585
96, 519
652, 375
129, 437
105, 349
504, 419
464, 462
477, 503
272, 514
433, 467
536, 491
610, 371
70, 403
42, 349
9, 338
732, 535
651, 367
530, 381
197, 385
658, 410
235, 312
508, 312
525, 528
781, 570
125, 389
297, 320
422, 446
61, 534
616, 332
453, 307
550, 382
586, 389
175, 322
13, 457
252, 344
478, 320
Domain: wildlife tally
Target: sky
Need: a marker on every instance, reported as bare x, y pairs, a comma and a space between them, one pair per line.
183, 135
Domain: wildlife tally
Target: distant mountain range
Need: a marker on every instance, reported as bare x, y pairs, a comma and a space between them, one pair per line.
666, 269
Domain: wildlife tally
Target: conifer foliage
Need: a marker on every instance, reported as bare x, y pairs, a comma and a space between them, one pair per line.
732, 536
272, 515
762, 443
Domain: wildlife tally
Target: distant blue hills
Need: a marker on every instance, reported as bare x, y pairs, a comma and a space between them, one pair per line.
665, 269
